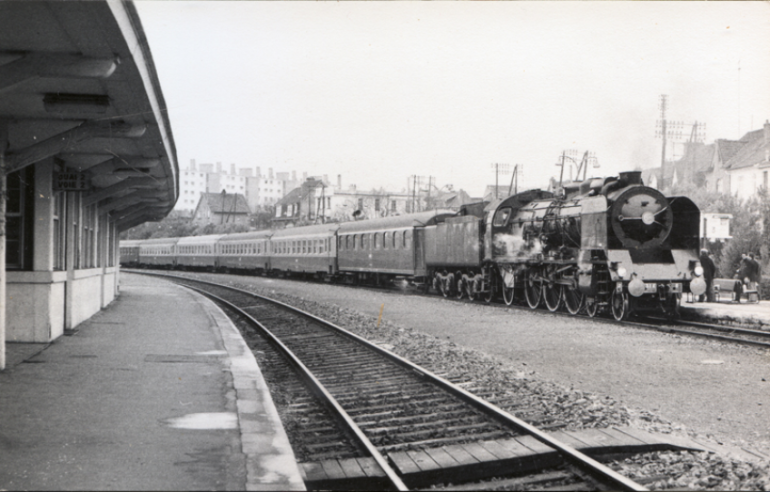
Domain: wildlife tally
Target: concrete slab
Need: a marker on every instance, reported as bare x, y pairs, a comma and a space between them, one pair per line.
142, 397
748, 314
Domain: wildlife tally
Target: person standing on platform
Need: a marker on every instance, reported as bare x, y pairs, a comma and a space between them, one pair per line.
754, 273
709, 272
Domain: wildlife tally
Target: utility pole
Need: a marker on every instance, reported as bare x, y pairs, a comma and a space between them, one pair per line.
515, 179
500, 169
663, 101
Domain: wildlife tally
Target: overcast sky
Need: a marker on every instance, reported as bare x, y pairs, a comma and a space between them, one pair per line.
378, 92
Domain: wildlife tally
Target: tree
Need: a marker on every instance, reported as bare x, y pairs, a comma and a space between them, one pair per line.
749, 227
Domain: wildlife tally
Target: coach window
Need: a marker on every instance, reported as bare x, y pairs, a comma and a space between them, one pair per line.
385, 240
407, 239
376, 240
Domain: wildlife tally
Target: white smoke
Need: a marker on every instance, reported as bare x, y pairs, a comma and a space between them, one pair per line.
515, 247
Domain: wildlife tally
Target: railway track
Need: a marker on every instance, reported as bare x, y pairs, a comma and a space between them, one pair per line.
376, 418
729, 334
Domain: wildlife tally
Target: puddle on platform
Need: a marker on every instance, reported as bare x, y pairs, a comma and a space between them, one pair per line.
712, 362
212, 420
212, 352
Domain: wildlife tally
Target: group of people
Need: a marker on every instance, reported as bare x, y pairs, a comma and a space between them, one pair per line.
748, 276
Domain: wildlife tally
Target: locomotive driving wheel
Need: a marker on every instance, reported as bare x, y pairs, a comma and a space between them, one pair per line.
592, 306
506, 279
619, 305
552, 291
490, 278
533, 287
573, 298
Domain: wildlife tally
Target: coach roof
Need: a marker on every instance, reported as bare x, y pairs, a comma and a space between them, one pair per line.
314, 230
419, 219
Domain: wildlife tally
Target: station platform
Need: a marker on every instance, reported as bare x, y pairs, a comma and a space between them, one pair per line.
743, 314
156, 392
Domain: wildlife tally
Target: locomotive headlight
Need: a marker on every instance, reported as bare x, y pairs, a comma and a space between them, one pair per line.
622, 272
698, 271
648, 218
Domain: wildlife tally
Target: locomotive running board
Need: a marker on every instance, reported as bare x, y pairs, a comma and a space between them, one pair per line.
485, 459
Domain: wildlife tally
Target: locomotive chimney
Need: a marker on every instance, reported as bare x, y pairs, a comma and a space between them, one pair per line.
631, 177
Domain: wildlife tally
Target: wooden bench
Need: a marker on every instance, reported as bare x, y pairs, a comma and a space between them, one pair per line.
727, 285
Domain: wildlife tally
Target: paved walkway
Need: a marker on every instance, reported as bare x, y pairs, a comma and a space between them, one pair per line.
743, 312
158, 391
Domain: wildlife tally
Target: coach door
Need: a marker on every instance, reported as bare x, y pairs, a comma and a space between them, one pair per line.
419, 251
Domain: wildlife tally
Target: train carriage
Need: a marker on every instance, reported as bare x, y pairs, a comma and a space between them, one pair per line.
129, 252
245, 251
383, 249
306, 250
198, 251
158, 252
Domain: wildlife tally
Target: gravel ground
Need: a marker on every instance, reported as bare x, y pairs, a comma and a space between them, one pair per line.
606, 374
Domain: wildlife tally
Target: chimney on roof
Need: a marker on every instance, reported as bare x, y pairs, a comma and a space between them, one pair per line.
232, 168
192, 165
767, 133
294, 175
270, 173
326, 178
259, 172
304, 176
219, 167
339, 181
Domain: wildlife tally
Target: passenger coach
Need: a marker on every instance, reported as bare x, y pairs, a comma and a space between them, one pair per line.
198, 251
380, 250
245, 251
160, 252
307, 250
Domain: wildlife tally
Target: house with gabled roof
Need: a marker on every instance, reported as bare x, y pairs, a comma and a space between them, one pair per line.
726, 166
748, 168
299, 205
222, 208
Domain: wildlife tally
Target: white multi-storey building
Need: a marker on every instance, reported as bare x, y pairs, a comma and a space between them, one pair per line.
260, 190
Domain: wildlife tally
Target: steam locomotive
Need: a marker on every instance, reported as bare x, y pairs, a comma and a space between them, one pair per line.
602, 245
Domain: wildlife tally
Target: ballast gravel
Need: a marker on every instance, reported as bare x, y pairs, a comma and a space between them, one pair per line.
577, 409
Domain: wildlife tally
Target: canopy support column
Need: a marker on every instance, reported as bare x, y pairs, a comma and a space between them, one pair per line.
3, 188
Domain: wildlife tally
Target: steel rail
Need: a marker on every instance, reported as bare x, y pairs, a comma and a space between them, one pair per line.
316, 386
575, 457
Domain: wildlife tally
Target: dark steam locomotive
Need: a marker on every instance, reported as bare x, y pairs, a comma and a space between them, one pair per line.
602, 244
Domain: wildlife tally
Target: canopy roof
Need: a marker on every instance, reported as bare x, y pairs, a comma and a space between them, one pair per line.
77, 83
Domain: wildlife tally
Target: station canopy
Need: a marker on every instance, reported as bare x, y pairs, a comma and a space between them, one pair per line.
78, 84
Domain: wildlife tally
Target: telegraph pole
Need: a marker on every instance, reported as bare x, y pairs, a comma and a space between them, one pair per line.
663, 100
500, 169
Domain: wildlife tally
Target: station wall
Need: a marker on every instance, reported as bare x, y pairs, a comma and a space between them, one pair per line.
61, 260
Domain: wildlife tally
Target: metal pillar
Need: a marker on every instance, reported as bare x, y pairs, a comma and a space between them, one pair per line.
3, 187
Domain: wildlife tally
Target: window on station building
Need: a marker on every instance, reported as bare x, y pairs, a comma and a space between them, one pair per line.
19, 219
59, 231
88, 248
